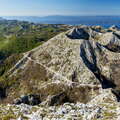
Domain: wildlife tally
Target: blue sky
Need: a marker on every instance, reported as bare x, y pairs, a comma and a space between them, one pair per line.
59, 7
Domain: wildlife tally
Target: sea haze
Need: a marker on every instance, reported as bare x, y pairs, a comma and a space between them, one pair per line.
104, 21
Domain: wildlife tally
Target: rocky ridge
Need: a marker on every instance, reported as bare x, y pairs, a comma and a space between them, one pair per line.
68, 74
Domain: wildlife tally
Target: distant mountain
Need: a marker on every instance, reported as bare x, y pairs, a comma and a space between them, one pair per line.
1, 18
105, 21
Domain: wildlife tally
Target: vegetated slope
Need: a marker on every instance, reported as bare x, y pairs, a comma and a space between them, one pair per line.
18, 37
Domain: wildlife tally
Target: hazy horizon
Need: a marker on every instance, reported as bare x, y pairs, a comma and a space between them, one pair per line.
57, 15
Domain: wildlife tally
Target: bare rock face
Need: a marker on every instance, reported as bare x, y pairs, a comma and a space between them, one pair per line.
78, 33
95, 58
111, 41
82, 32
97, 28
102, 58
113, 28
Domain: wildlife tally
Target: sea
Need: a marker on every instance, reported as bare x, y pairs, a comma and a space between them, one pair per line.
104, 21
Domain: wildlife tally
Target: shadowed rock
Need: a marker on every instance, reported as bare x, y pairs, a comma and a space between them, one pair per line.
58, 99
113, 28
2, 93
78, 33
89, 50
114, 43
82, 32
29, 100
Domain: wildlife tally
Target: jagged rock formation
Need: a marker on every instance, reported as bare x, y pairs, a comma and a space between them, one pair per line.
30, 100
103, 60
82, 32
71, 67
113, 28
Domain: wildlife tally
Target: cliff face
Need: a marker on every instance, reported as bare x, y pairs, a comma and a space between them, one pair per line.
72, 67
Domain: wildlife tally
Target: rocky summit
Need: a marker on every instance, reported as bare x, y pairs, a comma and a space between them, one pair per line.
73, 76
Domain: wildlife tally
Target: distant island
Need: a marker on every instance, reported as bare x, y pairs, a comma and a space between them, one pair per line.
105, 21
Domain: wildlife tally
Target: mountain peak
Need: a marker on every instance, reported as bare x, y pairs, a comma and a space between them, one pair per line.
77, 66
